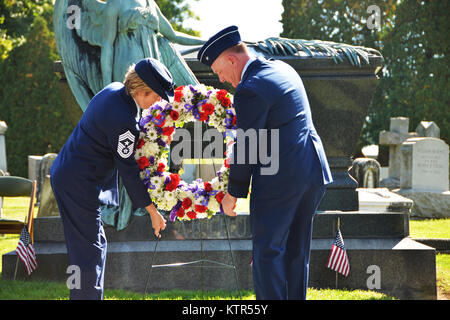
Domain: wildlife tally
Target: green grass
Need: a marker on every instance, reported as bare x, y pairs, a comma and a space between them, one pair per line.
443, 273
429, 228
34, 290
16, 208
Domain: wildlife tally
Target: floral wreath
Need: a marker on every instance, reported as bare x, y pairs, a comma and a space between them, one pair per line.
168, 191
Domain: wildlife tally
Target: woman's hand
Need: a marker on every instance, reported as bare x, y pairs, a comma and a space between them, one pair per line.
158, 221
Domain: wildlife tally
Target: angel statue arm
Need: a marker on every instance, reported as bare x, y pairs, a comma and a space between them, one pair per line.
166, 29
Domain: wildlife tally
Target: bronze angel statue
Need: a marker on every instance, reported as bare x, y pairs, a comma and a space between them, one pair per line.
111, 36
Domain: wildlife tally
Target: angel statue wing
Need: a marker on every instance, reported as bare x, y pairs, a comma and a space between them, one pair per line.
277, 46
80, 59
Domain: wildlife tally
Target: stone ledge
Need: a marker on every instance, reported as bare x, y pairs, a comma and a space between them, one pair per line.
354, 224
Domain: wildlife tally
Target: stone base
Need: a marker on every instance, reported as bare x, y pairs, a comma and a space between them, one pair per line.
382, 200
407, 268
427, 204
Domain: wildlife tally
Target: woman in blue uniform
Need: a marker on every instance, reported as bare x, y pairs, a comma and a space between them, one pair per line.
102, 145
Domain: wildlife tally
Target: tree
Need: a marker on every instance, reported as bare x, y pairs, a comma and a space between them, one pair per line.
176, 11
30, 101
31, 104
412, 39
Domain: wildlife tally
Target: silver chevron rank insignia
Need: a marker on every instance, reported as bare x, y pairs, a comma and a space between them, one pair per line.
125, 144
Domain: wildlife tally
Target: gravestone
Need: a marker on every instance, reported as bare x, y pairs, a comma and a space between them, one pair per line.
38, 169
3, 168
48, 206
425, 176
33, 167
3, 128
44, 169
428, 129
397, 134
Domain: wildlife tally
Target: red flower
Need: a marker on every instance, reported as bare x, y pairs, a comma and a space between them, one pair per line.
187, 203
174, 182
220, 196
180, 212
221, 94
178, 94
225, 101
161, 167
203, 116
208, 108
208, 187
143, 162
140, 144
234, 120
192, 215
226, 163
174, 115
200, 208
167, 131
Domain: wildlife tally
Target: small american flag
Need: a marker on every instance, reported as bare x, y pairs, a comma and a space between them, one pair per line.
25, 251
338, 259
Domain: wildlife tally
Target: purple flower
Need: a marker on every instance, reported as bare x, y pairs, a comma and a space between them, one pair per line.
160, 142
151, 160
145, 120
173, 212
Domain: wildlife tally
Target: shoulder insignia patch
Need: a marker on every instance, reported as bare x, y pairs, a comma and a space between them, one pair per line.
125, 145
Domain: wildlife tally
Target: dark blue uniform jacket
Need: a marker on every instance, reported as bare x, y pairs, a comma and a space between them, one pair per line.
102, 145
271, 95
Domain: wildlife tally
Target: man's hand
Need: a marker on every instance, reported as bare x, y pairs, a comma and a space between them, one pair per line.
228, 205
158, 221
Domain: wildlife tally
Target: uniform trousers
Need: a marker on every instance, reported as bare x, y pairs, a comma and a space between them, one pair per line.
282, 232
85, 237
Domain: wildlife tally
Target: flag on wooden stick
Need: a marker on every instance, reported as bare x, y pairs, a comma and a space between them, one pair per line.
25, 251
338, 259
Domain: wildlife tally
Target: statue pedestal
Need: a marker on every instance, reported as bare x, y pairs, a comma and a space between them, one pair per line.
407, 268
339, 96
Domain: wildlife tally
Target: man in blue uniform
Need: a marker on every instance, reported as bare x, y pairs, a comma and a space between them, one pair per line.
102, 144
270, 95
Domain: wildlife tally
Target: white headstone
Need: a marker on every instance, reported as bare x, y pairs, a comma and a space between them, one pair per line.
3, 128
425, 164
428, 129
394, 138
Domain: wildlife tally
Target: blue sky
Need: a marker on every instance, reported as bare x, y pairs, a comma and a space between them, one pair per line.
256, 19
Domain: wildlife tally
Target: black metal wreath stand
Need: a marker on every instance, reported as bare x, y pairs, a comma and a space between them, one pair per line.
197, 263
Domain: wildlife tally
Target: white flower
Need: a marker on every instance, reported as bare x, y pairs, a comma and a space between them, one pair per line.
150, 148
213, 204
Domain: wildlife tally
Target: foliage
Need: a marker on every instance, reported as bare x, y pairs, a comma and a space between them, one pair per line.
176, 11
31, 103
412, 39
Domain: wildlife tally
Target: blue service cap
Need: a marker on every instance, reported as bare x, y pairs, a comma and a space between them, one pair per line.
217, 44
157, 77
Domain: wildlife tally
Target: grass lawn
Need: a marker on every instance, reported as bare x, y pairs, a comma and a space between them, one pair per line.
429, 228
34, 290
16, 208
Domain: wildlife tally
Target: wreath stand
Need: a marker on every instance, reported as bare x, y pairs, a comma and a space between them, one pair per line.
198, 263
